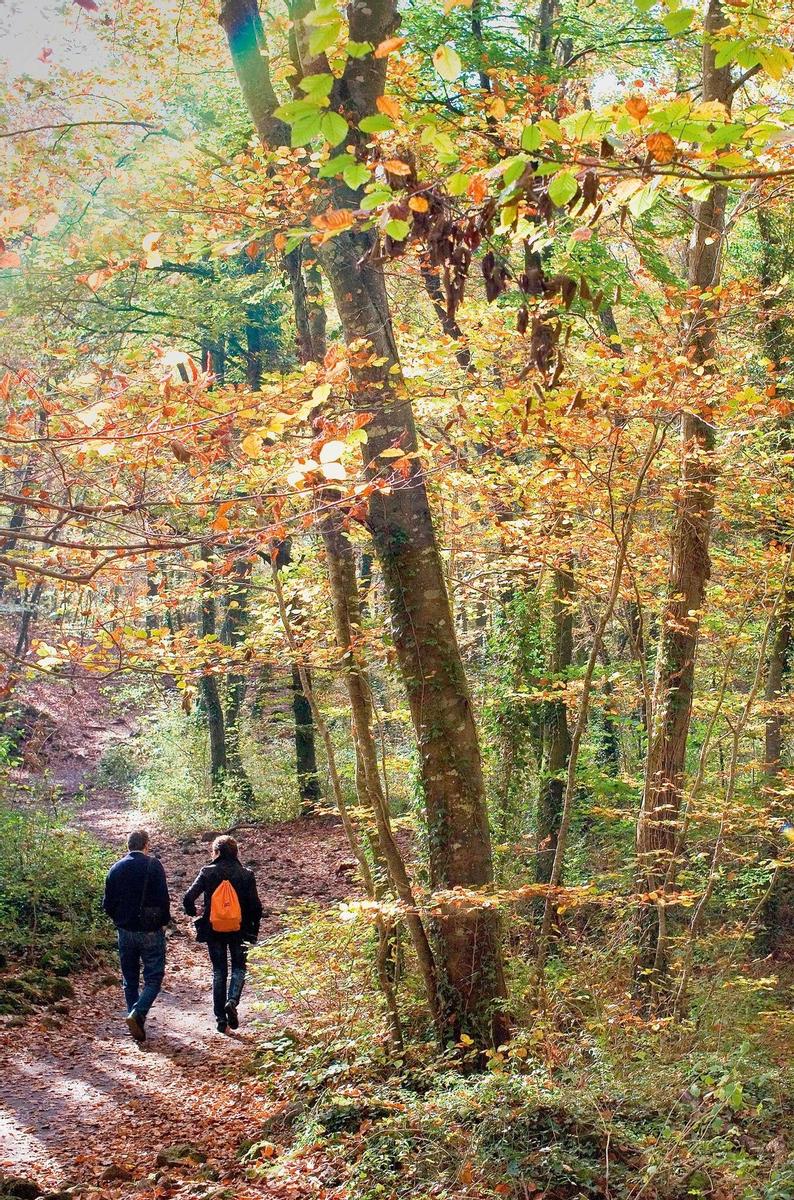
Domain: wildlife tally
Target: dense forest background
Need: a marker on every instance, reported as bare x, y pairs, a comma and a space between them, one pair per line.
397, 453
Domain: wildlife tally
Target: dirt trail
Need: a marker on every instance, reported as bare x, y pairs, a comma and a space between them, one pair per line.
81, 1101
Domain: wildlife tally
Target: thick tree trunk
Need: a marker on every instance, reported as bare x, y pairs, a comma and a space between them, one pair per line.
556, 738
404, 539
658, 827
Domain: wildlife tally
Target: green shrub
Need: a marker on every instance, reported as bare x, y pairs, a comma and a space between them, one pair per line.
51, 882
118, 767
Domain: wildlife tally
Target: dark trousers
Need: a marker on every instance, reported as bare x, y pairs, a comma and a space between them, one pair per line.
223, 948
136, 950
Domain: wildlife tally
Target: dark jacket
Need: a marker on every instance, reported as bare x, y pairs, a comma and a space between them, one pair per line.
124, 885
244, 884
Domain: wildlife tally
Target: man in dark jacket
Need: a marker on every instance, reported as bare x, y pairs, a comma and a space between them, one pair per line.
136, 900
225, 947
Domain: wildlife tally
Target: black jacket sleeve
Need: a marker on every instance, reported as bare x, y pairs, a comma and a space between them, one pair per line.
109, 897
192, 894
253, 910
158, 893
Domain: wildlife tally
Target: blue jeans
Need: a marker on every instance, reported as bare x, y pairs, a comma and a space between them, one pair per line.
136, 949
219, 946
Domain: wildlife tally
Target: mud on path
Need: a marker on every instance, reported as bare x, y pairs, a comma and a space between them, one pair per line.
82, 1103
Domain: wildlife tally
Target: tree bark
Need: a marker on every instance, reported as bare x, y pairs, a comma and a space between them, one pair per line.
347, 619
556, 738
208, 688
658, 827
404, 538
305, 753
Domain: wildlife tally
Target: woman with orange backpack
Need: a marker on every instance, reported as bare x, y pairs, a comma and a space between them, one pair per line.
230, 918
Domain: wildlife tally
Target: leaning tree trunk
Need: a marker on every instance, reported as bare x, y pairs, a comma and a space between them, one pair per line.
347, 620
404, 539
658, 827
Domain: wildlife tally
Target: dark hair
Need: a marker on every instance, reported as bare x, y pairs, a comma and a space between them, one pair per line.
138, 840
225, 847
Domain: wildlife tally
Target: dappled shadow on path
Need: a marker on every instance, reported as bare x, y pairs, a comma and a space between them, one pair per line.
80, 1096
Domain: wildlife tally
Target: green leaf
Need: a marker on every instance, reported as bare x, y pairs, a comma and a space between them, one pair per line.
356, 176
644, 6
514, 168
644, 199
294, 110
377, 123
677, 22
550, 129
531, 137
447, 63
398, 230
306, 128
336, 165
376, 198
457, 183
359, 49
323, 37
563, 188
317, 85
333, 128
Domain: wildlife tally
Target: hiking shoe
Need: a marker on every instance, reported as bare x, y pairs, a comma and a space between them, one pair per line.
135, 1026
231, 1015
221, 1027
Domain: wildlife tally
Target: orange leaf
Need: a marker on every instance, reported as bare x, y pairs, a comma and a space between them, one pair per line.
637, 107
388, 105
418, 204
395, 166
390, 44
10, 258
661, 147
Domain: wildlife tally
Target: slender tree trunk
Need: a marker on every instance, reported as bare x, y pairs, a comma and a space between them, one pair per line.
657, 833
236, 680
305, 753
208, 688
347, 620
777, 914
556, 738
404, 538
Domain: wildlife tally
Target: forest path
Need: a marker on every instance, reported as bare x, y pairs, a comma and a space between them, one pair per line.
81, 1102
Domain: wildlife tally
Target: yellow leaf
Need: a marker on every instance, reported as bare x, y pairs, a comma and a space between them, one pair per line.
392, 452
252, 445
447, 63
321, 393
